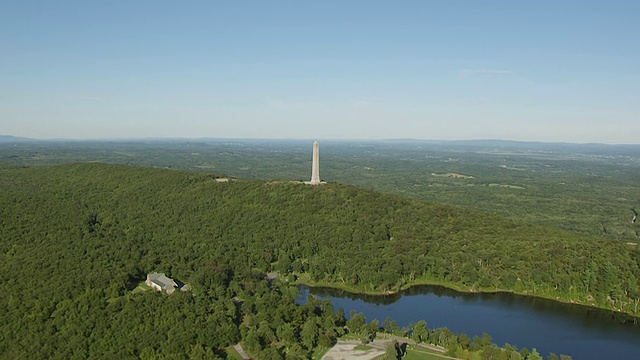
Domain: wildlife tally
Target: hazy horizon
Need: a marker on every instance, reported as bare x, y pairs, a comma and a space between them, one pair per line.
542, 71
310, 139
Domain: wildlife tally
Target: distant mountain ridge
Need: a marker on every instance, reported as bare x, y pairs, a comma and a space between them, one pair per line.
14, 139
464, 143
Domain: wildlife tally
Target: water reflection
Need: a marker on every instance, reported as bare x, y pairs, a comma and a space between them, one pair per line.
505, 299
550, 326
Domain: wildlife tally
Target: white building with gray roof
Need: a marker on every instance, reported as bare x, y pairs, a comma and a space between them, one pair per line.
161, 282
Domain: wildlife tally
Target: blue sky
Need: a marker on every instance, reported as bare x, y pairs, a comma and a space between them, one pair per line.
522, 70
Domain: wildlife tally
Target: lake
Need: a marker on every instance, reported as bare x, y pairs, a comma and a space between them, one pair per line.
549, 326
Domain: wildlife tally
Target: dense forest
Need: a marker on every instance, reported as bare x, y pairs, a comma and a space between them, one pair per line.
77, 239
588, 189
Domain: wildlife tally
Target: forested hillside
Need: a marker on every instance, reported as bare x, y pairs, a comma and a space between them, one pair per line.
76, 239
586, 189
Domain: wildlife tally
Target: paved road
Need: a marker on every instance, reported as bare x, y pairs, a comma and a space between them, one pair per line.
240, 351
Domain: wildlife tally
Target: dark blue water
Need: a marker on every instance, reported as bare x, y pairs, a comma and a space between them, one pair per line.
549, 326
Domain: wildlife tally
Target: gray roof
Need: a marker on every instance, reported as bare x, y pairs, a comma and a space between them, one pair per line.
163, 281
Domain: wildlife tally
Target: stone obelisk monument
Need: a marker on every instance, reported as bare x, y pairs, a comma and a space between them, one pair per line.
315, 167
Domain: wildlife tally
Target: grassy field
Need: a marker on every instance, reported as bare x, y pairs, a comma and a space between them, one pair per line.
232, 354
415, 352
142, 287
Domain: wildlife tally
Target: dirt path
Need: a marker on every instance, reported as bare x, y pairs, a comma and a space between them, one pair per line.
346, 350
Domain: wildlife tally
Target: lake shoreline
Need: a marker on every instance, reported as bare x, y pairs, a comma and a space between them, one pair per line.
509, 318
452, 287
